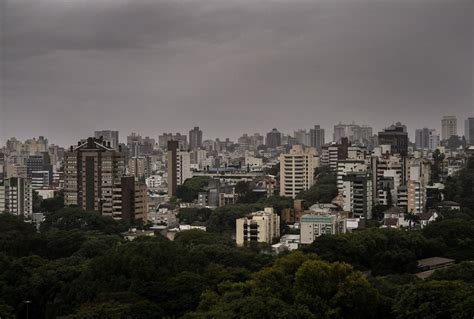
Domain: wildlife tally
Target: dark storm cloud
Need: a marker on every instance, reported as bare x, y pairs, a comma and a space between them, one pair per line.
231, 66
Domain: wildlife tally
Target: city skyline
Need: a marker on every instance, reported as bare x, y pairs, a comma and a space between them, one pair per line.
231, 67
329, 138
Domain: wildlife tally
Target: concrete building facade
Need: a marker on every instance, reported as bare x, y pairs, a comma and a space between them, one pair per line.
262, 227
297, 170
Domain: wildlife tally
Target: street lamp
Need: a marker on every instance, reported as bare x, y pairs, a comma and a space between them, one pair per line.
27, 302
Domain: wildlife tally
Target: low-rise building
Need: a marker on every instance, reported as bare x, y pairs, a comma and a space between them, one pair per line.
262, 226
313, 226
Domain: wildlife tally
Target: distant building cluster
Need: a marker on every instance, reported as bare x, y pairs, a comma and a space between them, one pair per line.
131, 179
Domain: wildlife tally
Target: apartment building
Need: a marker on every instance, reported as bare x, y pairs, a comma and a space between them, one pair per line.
297, 170
261, 226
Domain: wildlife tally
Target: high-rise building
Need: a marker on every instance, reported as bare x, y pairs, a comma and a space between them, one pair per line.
357, 193
348, 166
449, 127
109, 136
40, 180
426, 139
352, 132
129, 200
397, 137
134, 142
469, 130
16, 197
39, 163
297, 170
302, 137
434, 140
262, 227
137, 145
166, 137
140, 167
179, 167
195, 138
317, 138
256, 140
172, 163
361, 134
91, 169
273, 139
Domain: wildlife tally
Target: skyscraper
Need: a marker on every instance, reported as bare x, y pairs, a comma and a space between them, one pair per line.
179, 167
302, 137
40, 163
273, 139
469, 130
449, 127
172, 163
91, 169
195, 138
317, 138
109, 136
397, 137
426, 138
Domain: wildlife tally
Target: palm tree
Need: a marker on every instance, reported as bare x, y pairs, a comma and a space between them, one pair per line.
412, 218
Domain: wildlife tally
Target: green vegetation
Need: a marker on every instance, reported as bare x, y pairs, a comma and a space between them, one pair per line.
84, 268
460, 188
79, 266
324, 190
190, 189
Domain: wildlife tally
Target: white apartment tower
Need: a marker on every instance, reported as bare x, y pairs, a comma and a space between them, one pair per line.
297, 170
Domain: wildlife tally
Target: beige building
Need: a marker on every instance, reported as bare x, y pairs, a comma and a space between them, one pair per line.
297, 170
140, 167
262, 226
91, 169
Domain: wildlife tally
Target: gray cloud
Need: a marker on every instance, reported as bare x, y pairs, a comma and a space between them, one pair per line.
231, 66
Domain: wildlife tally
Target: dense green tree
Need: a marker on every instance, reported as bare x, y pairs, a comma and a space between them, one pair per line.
189, 191
463, 271
323, 191
222, 219
457, 235
245, 193
194, 215
460, 187
298, 286
75, 218
53, 204
37, 199
435, 299
437, 166
383, 251
17, 237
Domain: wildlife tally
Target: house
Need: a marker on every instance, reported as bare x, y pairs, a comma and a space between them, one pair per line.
449, 205
427, 218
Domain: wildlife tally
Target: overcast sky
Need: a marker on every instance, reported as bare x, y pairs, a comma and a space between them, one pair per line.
69, 67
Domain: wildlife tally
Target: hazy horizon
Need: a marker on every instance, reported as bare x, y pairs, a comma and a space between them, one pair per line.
71, 67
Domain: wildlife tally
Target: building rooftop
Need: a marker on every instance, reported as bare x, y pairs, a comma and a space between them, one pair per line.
434, 262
